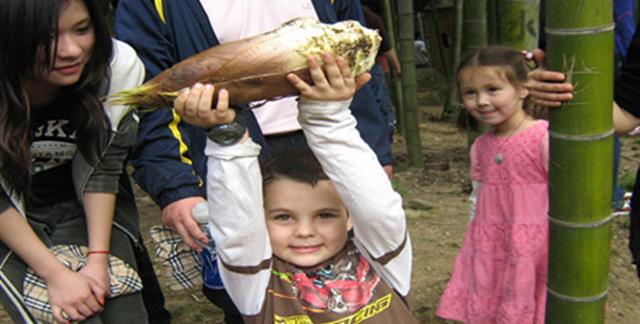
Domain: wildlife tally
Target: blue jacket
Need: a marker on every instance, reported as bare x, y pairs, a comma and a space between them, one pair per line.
166, 32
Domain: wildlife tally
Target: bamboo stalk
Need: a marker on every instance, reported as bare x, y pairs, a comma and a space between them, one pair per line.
396, 85
474, 37
518, 22
580, 43
407, 59
452, 106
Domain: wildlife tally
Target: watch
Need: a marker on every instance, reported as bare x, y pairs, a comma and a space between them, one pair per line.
229, 133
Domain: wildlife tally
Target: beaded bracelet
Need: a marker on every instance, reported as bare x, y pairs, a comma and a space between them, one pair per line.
98, 252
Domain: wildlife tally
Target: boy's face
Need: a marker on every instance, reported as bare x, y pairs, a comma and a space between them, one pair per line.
307, 225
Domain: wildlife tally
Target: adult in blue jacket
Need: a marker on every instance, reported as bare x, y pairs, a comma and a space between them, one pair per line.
169, 159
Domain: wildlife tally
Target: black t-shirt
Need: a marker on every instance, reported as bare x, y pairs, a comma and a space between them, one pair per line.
627, 88
53, 145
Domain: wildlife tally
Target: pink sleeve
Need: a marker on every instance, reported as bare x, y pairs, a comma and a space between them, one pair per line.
475, 164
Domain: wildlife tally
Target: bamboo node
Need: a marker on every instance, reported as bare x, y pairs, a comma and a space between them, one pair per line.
578, 31
588, 299
597, 223
580, 137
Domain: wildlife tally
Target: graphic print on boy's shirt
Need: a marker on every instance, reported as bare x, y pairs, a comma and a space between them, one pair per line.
53, 145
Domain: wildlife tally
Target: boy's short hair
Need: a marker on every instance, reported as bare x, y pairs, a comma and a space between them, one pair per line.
294, 164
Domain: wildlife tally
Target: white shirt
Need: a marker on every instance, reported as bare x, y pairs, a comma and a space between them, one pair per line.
237, 19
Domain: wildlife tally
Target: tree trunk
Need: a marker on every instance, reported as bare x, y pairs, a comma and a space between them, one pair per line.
492, 21
474, 37
452, 106
396, 85
474, 26
435, 24
579, 37
518, 22
407, 60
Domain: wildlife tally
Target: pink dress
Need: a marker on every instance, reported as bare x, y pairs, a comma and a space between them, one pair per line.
500, 274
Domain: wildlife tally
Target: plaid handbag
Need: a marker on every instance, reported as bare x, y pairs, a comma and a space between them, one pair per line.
181, 263
124, 280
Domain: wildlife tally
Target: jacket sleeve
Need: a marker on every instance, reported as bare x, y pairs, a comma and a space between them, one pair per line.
163, 156
378, 217
127, 71
368, 105
5, 202
106, 175
627, 84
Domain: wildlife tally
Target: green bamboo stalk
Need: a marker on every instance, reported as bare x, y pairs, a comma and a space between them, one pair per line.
407, 60
396, 85
442, 57
474, 26
492, 21
518, 22
580, 43
452, 106
474, 37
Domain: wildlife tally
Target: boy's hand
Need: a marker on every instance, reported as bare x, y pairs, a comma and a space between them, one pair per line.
195, 106
335, 83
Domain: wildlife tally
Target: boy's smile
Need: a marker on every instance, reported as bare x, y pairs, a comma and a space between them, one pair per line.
307, 224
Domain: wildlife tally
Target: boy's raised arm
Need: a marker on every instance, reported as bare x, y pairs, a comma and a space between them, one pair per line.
376, 209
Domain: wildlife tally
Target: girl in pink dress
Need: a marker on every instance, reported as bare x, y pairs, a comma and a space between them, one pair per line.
500, 274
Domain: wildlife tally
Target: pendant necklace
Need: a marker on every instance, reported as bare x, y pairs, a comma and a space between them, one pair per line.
499, 158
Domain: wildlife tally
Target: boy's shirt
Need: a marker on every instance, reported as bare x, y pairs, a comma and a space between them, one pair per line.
376, 262
346, 289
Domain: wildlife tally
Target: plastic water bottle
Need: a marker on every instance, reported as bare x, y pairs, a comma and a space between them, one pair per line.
210, 273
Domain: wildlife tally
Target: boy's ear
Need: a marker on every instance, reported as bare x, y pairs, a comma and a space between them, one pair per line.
349, 223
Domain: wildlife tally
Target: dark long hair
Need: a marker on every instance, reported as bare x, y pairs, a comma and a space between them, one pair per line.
29, 28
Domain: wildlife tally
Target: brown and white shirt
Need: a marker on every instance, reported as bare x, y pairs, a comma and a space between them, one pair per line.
366, 282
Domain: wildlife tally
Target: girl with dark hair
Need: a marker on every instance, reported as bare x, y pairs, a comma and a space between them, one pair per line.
500, 274
61, 157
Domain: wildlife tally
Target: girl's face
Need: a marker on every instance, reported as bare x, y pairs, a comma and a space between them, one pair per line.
490, 98
75, 44
307, 224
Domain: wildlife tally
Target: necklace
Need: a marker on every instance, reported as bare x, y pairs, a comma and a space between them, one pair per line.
499, 158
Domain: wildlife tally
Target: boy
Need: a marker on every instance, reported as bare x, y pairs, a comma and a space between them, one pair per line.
288, 256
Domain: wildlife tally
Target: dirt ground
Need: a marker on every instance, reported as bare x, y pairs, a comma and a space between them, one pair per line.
436, 205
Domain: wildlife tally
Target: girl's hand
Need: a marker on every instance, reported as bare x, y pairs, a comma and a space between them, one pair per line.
195, 106
96, 269
335, 83
71, 296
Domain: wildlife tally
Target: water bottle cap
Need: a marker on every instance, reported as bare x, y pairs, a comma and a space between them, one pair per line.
200, 213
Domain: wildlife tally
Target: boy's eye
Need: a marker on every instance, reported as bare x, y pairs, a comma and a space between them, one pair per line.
494, 89
326, 215
282, 217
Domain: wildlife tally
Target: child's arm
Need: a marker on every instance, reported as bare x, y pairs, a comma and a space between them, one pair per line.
376, 209
234, 195
475, 181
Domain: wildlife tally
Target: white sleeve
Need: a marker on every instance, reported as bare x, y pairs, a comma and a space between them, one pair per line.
127, 71
237, 223
376, 209
473, 199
